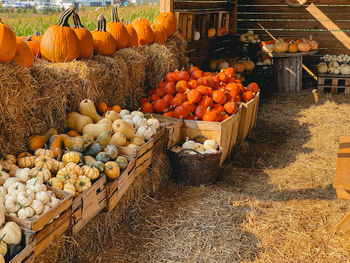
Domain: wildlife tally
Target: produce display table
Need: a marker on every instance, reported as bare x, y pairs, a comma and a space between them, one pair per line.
288, 70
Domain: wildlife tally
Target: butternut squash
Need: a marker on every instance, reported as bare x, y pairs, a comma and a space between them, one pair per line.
55, 145
118, 139
96, 129
112, 115
124, 127
38, 141
87, 108
105, 121
104, 138
76, 121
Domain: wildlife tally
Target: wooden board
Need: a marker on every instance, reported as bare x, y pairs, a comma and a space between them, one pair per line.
248, 117
88, 204
24, 255
135, 152
39, 223
342, 172
225, 133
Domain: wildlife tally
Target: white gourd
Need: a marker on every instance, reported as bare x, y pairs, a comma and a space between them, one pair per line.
3, 191
123, 113
11, 204
333, 64
196, 35
25, 212
200, 147
3, 177
12, 232
154, 123
345, 70
35, 181
322, 67
2, 205
138, 140
139, 121
146, 131
124, 127
37, 206
54, 201
139, 113
30, 193
43, 197
336, 71
189, 145
208, 151
46, 209
24, 199
17, 186
210, 144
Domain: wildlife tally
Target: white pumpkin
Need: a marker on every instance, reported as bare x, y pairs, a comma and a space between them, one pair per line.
322, 67
17, 186
336, 71
223, 65
138, 140
189, 145
3, 177
210, 144
43, 197
200, 147
196, 36
11, 204
139, 113
154, 123
37, 206
12, 232
333, 64
345, 70
54, 201
25, 212
139, 121
123, 113
208, 151
35, 181
24, 199
146, 131
46, 209
30, 193
3, 191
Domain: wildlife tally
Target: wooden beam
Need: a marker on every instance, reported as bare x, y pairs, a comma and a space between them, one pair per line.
166, 5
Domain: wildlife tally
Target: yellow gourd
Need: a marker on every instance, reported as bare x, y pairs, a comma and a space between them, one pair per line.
124, 127
118, 139
112, 115
105, 121
87, 108
76, 121
96, 129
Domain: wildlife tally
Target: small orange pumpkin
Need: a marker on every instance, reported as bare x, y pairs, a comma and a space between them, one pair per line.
117, 29
133, 40
144, 31
160, 34
105, 44
112, 170
86, 41
168, 21
24, 55
7, 43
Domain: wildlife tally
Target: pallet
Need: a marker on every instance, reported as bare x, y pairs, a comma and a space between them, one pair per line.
88, 204
173, 128
39, 223
225, 133
116, 189
248, 117
342, 173
335, 84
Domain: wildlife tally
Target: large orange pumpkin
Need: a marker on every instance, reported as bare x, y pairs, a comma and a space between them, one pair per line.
105, 44
34, 46
86, 41
133, 41
160, 34
168, 21
24, 55
7, 43
118, 30
60, 43
144, 31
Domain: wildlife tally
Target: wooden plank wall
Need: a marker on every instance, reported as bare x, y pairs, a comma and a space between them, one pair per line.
200, 52
282, 20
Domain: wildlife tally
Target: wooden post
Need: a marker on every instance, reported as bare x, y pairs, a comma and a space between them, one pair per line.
166, 5
288, 73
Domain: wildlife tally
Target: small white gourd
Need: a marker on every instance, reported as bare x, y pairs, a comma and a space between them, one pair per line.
154, 123
189, 145
24, 199
30, 193
37, 206
25, 212
139, 113
123, 113
146, 131
12, 232
139, 121
210, 144
17, 186
345, 70
322, 67
46, 209
3, 191
54, 201
11, 204
200, 147
35, 181
196, 36
333, 64
210, 151
43, 197
3, 250
2, 217
3, 177
336, 71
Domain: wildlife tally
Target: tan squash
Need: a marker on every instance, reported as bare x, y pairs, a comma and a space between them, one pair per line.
105, 121
96, 129
124, 127
76, 121
118, 139
112, 115
87, 108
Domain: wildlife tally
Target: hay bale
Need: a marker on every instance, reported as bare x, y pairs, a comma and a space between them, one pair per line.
18, 107
136, 64
159, 62
178, 45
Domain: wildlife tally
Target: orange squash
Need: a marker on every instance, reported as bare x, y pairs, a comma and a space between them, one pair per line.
34, 46
112, 170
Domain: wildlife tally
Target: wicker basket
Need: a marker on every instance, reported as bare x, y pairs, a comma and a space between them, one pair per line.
195, 169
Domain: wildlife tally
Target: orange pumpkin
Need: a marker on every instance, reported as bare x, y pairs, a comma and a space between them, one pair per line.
206, 101
176, 102
189, 106
168, 114
230, 107
247, 96
210, 115
160, 105
181, 96
192, 69
7, 43
112, 170
169, 88
183, 75
59, 42
168, 98
34, 46
160, 34
219, 96
197, 74
203, 90
181, 86
192, 84
133, 40
253, 87
147, 107
168, 21
144, 31
171, 77
105, 44
102, 107
86, 41
181, 112
24, 55
118, 30
193, 95
200, 111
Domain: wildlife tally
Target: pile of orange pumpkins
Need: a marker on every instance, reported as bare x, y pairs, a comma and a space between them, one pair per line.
61, 43
198, 95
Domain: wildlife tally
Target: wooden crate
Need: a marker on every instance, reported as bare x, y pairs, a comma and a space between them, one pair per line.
223, 21
88, 204
342, 172
116, 189
173, 128
27, 251
39, 223
184, 23
225, 133
335, 84
248, 117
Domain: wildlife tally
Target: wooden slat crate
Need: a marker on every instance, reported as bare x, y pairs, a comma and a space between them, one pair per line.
116, 189
27, 251
39, 223
248, 117
223, 21
88, 204
173, 128
342, 172
225, 133
335, 84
